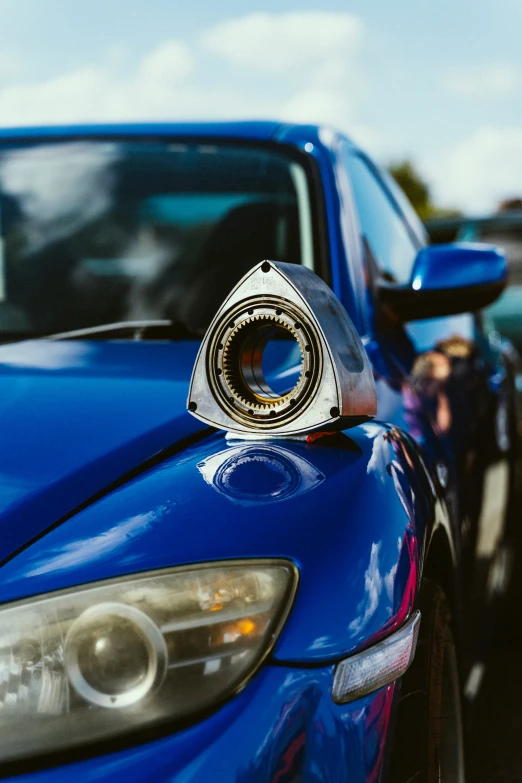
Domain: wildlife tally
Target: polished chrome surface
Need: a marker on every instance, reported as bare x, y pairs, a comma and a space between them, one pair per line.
334, 387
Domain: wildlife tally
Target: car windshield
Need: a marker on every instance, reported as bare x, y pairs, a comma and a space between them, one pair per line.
94, 232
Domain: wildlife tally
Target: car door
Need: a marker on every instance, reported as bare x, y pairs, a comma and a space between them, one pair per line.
452, 387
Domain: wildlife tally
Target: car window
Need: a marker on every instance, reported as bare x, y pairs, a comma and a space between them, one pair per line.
384, 229
414, 222
94, 232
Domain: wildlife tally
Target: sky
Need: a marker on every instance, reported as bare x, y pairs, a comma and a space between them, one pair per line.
437, 83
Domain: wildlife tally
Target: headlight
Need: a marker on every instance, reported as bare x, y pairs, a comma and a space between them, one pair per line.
97, 662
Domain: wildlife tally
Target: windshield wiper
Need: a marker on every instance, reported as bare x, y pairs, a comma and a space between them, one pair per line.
160, 329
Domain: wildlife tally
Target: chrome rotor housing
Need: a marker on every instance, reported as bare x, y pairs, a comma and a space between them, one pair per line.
330, 381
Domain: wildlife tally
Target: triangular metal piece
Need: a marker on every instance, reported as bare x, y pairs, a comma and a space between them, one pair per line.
335, 390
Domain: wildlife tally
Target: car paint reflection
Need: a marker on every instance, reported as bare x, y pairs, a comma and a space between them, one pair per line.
321, 525
253, 473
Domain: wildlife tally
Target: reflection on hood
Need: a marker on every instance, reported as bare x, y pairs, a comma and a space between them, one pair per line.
250, 474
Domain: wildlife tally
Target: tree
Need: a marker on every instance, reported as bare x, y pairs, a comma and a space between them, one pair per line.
413, 185
418, 191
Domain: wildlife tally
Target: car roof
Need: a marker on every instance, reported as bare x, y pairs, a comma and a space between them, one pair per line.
250, 130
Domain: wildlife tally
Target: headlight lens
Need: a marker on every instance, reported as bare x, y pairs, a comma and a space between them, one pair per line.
95, 663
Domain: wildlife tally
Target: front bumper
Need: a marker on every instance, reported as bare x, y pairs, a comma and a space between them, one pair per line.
282, 728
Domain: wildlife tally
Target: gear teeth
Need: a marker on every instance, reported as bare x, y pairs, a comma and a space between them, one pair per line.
230, 369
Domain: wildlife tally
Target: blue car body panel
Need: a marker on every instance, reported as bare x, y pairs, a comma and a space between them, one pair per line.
358, 578
458, 265
250, 131
76, 417
283, 726
104, 474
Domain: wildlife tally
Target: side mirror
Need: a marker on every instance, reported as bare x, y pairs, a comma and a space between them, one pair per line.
448, 279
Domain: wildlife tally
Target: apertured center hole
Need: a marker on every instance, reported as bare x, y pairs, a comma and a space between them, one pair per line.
271, 362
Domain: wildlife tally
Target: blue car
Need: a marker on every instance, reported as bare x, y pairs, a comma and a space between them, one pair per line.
256, 462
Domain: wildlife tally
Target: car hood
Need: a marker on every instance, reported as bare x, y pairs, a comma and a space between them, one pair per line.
351, 512
76, 416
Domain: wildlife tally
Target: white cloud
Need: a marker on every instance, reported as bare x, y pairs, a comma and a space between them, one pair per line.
117, 55
312, 74
477, 173
94, 93
171, 62
485, 80
159, 88
315, 55
275, 42
328, 94
10, 65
